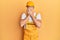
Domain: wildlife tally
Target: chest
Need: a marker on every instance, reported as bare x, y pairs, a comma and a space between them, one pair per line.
30, 19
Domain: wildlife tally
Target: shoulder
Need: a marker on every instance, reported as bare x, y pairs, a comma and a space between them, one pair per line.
38, 16
23, 16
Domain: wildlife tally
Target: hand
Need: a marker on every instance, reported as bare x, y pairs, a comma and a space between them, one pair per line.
30, 12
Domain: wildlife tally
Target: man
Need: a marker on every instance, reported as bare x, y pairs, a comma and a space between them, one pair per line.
31, 22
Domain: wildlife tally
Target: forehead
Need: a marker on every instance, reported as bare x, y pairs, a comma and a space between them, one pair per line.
30, 7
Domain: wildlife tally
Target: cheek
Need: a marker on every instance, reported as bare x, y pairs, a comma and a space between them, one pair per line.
31, 9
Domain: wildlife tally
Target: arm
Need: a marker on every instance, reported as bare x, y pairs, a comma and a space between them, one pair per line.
23, 21
37, 22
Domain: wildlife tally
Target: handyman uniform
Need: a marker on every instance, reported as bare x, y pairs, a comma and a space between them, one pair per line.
30, 30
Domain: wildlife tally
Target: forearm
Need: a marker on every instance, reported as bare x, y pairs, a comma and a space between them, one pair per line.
23, 22
37, 23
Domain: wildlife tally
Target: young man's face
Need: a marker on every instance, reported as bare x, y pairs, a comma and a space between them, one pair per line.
30, 8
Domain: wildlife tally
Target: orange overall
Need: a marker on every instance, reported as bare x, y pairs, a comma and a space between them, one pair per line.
30, 32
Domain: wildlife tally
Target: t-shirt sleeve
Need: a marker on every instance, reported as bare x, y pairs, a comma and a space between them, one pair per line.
23, 16
38, 17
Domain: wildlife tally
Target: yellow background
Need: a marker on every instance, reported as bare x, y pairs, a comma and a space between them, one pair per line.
10, 11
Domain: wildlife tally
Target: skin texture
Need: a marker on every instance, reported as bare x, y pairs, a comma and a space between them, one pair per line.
30, 11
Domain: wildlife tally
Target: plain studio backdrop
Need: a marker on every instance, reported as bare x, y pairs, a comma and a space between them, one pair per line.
10, 12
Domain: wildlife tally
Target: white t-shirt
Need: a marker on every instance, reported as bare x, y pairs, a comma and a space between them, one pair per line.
38, 16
